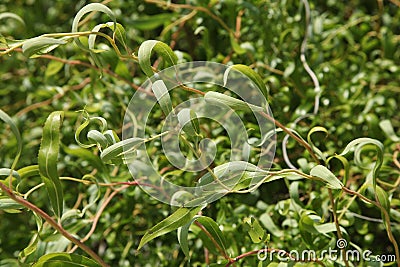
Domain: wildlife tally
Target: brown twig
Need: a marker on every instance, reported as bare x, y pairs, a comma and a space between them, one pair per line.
53, 98
396, 2
335, 220
53, 223
220, 250
198, 8
108, 197
387, 220
294, 136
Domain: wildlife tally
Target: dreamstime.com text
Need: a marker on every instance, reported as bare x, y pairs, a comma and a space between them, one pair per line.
352, 255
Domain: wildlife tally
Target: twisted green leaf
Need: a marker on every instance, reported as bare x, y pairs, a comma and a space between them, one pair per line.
161, 48
91, 8
251, 74
123, 148
47, 160
161, 92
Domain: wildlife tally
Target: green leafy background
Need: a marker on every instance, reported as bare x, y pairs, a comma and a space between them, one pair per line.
354, 52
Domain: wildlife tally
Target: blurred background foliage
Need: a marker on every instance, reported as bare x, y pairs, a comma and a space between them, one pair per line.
353, 49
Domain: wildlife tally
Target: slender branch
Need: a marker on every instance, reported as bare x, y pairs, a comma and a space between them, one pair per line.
53, 223
221, 250
99, 213
294, 136
396, 2
198, 8
335, 220
387, 220
53, 98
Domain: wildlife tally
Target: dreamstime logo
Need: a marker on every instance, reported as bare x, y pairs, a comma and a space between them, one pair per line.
330, 254
198, 171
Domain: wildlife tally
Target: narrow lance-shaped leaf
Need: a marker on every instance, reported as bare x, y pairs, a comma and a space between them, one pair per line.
47, 160
161, 92
65, 259
95, 136
93, 7
327, 176
10, 15
179, 218
122, 149
387, 128
14, 129
235, 104
251, 74
144, 54
210, 226
41, 45
188, 120
118, 30
9, 204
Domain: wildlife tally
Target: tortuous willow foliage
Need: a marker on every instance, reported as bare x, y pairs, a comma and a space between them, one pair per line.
332, 69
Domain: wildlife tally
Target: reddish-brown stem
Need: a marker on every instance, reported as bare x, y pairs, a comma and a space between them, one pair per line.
294, 136
55, 97
53, 223
386, 218
96, 219
335, 220
220, 250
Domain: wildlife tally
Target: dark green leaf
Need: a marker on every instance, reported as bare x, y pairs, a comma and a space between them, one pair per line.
47, 160
179, 218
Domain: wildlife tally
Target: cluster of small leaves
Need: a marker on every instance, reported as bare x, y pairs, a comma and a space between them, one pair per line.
62, 107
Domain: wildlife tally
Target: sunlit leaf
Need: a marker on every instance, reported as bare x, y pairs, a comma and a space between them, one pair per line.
316, 150
121, 149
93, 7
161, 92
41, 45
387, 128
177, 219
234, 103
251, 74
327, 176
163, 50
65, 259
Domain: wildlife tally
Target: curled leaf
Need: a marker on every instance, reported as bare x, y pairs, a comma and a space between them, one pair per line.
251, 74
144, 54
47, 160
